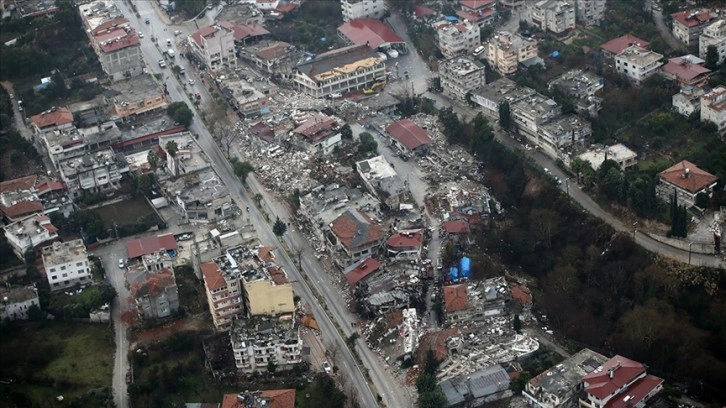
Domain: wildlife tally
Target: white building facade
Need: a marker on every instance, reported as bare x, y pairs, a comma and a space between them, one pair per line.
590, 12
713, 108
638, 63
505, 51
461, 75
556, 16
66, 264
713, 35
353, 9
457, 38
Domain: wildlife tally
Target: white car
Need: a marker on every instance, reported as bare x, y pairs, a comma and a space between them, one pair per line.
327, 368
191, 81
121, 263
141, 35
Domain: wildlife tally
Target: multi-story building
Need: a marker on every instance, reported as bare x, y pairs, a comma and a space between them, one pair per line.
319, 134
457, 37
461, 75
118, 48
472, 300
619, 153
382, 180
638, 63
582, 87
274, 58
617, 45
686, 181
590, 12
96, 172
688, 100
619, 382
563, 133
29, 233
713, 108
353, 9
245, 99
214, 45
264, 340
506, 50
530, 113
479, 12
55, 119
136, 96
72, 142
687, 70
340, 71
513, 4
558, 386
153, 286
405, 244
258, 399
556, 16
713, 35
15, 302
493, 94
201, 197
689, 24
356, 234
66, 264
224, 292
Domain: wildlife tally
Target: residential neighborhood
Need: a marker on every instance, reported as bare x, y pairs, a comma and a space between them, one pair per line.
362, 203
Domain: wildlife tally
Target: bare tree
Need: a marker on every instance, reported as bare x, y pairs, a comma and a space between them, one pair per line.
225, 135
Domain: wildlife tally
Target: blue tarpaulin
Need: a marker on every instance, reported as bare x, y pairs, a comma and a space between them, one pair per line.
454, 274
452, 18
555, 54
465, 267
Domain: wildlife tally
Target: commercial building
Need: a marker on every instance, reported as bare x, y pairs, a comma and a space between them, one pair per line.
638, 63
688, 25
409, 137
15, 302
29, 233
713, 35
505, 51
341, 71
558, 386
95, 173
619, 153
274, 58
713, 108
356, 234
382, 180
555, 16
686, 181
582, 86
590, 12
118, 48
688, 100
479, 12
214, 45
617, 45
373, 33
353, 9
687, 70
136, 96
259, 341
319, 134
456, 38
619, 382
66, 264
461, 75
493, 94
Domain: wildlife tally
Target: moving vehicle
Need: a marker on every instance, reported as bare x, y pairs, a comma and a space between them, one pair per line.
162, 64
191, 81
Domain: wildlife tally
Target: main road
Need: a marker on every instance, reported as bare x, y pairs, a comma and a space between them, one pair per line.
382, 379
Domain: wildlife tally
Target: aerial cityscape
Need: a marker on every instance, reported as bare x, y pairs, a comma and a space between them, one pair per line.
363, 203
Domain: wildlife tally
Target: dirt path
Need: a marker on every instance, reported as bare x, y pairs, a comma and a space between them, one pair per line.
156, 334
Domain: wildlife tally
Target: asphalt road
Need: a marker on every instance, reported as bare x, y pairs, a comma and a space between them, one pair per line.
347, 363
663, 29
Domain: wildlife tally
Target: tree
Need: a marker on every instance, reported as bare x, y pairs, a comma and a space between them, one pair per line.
450, 255
711, 57
180, 113
346, 132
225, 136
153, 160
271, 367
367, 144
241, 169
172, 148
505, 116
517, 324
279, 228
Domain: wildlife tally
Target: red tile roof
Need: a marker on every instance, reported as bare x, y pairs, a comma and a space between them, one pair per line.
455, 298
150, 245
355, 229
692, 18
276, 399
522, 294
477, 4
409, 134
48, 186
636, 393
244, 31
212, 276
22, 208
265, 254
436, 341
363, 269
681, 69
204, 32
118, 40
286, 8
618, 45
456, 227
406, 239
420, 11
361, 31
273, 51
624, 371
696, 181
53, 117
475, 17
317, 127
18, 184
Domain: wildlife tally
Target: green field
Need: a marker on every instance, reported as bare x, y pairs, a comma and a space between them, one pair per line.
49, 359
126, 212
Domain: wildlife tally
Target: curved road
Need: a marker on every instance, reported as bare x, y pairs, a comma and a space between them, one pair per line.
380, 377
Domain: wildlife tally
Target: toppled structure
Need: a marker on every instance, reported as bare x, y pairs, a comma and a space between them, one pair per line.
259, 341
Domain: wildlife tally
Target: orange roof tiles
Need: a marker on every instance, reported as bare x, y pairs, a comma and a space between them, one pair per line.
456, 227
150, 245
369, 31
455, 298
53, 117
23, 208
477, 4
691, 18
363, 269
406, 239
155, 285
409, 134
212, 276
355, 229
18, 184
681, 69
618, 45
688, 176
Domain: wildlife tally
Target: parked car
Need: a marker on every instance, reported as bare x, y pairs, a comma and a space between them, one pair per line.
147, 21
162, 64
121, 263
141, 35
184, 237
177, 33
191, 81
327, 368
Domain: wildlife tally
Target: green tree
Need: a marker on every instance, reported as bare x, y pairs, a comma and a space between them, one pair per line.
279, 228
450, 255
241, 169
153, 160
180, 113
711, 57
517, 324
367, 144
172, 148
346, 132
505, 116
271, 367
432, 399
